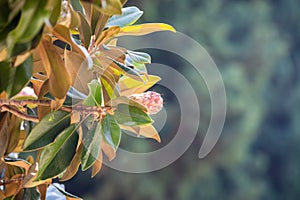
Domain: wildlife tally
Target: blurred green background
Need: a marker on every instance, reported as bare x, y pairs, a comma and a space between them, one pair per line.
256, 47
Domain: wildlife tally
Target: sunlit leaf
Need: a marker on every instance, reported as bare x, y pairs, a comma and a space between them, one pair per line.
129, 16
47, 129
129, 86
56, 157
67, 194
147, 131
144, 29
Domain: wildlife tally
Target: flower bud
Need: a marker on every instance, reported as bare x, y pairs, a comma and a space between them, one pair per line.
151, 100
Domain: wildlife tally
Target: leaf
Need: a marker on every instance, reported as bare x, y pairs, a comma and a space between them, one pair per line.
13, 79
31, 193
63, 34
76, 67
95, 95
59, 78
18, 163
67, 194
129, 16
91, 145
139, 57
47, 129
129, 86
56, 157
107, 34
14, 132
77, 6
129, 71
73, 167
32, 19
147, 131
144, 29
109, 7
85, 31
108, 150
131, 116
28, 181
111, 131
97, 165
4, 133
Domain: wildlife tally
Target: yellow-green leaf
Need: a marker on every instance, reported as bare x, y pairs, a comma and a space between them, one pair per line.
144, 29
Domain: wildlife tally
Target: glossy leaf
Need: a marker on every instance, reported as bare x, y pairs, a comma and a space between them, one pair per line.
131, 116
91, 145
85, 31
95, 95
129, 86
144, 29
47, 129
129, 16
56, 157
59, 78
111, 131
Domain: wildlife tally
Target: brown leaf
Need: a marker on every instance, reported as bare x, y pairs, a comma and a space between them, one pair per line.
29, 178
14, 133
4, 133
59, 78
98, 165
107, 34
42, 190
108, 150
73, 167
147, 131
19, 163
78, 69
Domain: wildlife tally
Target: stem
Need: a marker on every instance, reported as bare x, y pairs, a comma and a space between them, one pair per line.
8, 105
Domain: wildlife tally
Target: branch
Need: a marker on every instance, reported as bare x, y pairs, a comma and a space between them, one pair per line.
7, 105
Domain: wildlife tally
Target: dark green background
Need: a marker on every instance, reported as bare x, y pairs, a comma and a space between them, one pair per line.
256, 47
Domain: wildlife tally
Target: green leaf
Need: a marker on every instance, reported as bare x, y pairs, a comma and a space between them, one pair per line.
13, 79
139, 57
77, 6
56, 157
47, 129
111, 131
131, 116
95, 95
85, 31
32, 19
91, 145
140, 67
55, 12
129, 16
31, 193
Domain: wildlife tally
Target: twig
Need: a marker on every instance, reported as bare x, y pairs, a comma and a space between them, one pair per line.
7, 105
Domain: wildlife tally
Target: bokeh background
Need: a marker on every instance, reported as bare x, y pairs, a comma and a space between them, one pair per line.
256, 47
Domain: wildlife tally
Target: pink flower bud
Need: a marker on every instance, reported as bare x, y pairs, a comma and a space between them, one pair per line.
151, 100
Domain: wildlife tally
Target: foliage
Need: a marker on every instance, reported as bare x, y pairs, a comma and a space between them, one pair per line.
67, 52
